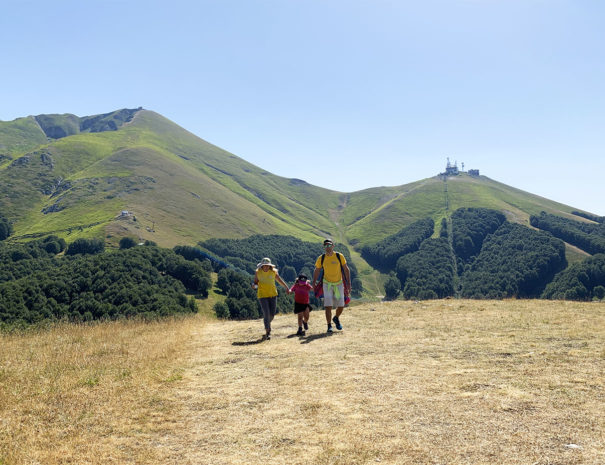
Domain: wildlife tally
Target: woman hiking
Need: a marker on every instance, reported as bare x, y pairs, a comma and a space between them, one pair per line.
264, 280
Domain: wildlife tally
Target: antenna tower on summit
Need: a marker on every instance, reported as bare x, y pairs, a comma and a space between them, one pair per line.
451, 170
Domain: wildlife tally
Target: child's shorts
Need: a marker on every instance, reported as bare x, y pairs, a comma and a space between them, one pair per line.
298, 308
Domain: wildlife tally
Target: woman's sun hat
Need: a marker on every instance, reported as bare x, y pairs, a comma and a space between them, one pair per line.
265, 261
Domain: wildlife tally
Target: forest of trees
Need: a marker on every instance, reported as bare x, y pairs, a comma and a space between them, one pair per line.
49, 280
36, 285
384, 254
588, 216
494, 258
515, 261
429, 272
581, 281
470, 226
589, 237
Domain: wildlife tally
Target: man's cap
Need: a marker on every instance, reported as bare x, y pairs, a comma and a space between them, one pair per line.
328, 241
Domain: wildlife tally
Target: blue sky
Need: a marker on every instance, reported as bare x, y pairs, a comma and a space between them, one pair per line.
377, 92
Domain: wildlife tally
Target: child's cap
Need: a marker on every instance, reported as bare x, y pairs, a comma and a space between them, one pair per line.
302, 277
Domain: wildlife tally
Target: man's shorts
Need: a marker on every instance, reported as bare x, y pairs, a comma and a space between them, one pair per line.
330, 300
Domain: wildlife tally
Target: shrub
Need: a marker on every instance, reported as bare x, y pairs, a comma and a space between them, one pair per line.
221, 310
85, 246
127, 243
599, 292
392, 287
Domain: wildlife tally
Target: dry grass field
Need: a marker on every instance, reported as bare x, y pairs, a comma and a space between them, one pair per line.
437, 382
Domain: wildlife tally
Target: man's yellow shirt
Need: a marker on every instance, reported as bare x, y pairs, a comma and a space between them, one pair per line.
332, 271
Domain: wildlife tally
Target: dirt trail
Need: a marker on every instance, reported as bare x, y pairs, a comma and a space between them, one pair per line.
244, 400
404, 383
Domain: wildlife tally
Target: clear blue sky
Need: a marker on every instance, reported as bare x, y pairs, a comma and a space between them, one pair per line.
378, 91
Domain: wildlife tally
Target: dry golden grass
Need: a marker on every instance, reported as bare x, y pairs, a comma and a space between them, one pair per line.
440, 382
97, 394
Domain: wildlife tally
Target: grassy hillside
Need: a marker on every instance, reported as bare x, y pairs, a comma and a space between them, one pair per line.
391, 209
18, 137
411, 203
477, 382
181, 189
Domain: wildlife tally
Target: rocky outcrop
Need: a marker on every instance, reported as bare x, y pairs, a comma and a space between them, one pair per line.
59, 126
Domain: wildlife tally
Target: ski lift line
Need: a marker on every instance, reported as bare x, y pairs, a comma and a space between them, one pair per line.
450, 237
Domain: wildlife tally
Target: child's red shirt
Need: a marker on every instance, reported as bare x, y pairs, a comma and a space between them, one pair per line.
301, 292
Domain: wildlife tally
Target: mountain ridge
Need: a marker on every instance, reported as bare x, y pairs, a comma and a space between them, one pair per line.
179, 189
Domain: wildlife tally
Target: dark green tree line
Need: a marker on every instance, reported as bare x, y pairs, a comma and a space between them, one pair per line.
589, 237
589, 216
21, 260
581, 281
384, 254
470, 226
515, 261
146, 281
429, 272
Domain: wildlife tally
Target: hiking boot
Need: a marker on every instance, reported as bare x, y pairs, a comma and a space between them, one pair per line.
337, 323
305, 325
268, 337
300, 331
329, 328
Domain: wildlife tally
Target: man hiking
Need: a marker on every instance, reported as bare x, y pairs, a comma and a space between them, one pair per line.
336, 281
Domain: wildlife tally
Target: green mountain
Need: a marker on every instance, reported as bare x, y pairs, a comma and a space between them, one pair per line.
135, 173
176, 187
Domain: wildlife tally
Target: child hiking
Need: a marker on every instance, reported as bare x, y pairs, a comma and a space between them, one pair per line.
336, 282
302, 307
